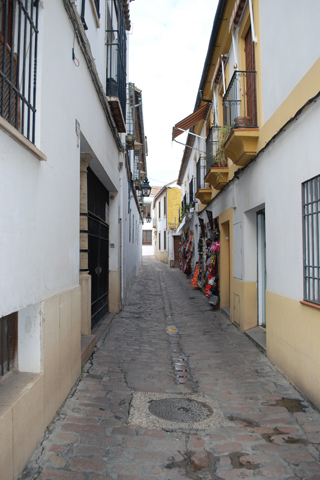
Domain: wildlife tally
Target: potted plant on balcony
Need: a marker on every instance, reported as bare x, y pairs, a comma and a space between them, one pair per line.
220, 159
218, 173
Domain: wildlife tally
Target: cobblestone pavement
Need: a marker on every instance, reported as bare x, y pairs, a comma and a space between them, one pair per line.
260, 427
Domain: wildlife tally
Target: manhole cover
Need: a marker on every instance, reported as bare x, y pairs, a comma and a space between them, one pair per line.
181, 410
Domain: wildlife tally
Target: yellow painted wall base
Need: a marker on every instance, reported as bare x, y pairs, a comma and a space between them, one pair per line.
293, 332
226, 260
114, 291
29, 401
162, 256
245, 304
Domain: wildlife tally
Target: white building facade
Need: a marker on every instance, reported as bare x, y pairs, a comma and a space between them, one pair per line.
65, 188
263, 204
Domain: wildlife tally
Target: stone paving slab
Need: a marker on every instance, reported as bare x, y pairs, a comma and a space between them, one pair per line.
267, 430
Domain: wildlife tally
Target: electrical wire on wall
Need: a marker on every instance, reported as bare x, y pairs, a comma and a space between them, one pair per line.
74, 58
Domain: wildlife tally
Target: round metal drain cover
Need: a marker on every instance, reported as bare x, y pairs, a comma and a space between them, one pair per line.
181, 410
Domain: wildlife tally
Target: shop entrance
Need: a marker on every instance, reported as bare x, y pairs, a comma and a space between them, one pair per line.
262, 272
176, 247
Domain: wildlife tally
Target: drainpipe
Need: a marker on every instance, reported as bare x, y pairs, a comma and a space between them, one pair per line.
234, 47
204, 99
254, 38
223, 77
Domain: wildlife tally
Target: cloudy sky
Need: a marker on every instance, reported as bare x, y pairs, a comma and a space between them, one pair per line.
168, 46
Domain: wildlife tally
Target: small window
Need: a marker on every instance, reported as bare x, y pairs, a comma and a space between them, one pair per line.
159, 247
8, 343
165, 240
311, 239
146, 210
159, 209
147, 237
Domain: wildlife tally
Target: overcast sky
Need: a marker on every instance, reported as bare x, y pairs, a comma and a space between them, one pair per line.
168, 46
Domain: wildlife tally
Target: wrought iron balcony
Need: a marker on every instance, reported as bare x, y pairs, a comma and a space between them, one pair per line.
203, 192
240, 101
240, 113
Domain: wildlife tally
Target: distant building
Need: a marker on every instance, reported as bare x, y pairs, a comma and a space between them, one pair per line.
148, 237
166, 214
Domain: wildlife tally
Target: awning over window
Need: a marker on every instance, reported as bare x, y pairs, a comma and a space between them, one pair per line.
191, 120
236, 13
217, 72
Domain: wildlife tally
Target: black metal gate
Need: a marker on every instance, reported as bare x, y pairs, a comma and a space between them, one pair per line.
98, 247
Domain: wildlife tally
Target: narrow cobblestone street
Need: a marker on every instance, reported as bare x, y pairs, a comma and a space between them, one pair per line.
169, 343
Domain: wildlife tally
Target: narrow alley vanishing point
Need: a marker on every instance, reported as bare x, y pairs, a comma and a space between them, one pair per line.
175, 391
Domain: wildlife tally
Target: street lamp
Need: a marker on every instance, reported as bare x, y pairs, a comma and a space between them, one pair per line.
148, 218
146, 189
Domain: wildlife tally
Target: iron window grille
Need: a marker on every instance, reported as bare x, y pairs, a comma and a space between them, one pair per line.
116, 53
239, 101
212, 143
18, 64
191, 191
311, 239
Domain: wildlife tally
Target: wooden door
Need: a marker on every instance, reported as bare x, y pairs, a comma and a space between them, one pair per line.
251, 98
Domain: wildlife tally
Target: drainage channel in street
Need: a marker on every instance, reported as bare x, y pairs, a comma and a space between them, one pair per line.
180, 360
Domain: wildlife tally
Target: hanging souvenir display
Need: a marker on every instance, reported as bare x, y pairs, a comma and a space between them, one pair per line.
186, 253
194, 281
208, 265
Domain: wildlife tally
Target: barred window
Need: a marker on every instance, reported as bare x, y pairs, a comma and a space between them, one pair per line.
116, 52
311, 239
146, 210
8, 342
18, 64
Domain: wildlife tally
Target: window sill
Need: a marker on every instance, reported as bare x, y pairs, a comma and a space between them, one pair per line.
21, 140
15, 388
309, 304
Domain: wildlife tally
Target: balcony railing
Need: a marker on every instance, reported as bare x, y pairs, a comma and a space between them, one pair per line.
191, 191
240, 101
201, 172
116, 58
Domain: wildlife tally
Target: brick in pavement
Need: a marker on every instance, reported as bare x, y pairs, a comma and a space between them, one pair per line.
92, 438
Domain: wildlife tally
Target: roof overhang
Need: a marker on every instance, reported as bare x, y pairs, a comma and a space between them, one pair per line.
117, 115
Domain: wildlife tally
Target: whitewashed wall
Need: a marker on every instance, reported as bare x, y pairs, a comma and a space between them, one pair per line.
294, 41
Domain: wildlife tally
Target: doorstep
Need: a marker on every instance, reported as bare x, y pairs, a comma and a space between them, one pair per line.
226, 312
88, 342
258, 336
